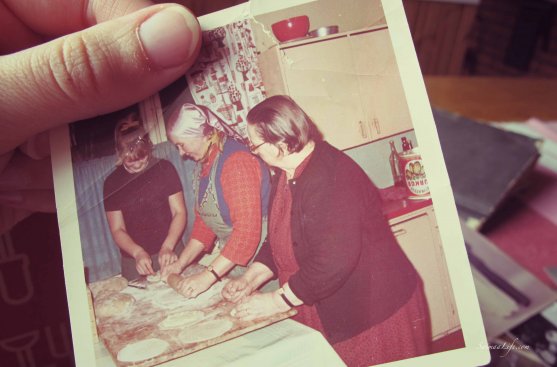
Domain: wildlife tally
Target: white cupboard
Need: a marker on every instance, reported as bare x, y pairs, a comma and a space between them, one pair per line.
348, 83
418, 236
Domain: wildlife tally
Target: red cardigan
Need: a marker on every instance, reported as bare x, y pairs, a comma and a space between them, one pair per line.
351, 266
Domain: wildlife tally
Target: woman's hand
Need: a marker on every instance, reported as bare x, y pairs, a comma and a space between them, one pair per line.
143, 263
196, 284
237, 289
166, 257
260, 305
68, 60
172, 268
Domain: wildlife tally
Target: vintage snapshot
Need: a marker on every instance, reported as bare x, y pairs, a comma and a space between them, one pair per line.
283, 203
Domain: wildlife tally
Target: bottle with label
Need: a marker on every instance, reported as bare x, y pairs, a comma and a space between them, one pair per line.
405, 144
394, 162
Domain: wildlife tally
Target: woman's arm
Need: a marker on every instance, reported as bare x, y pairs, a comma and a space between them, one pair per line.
253, 278
126, 243
175, 230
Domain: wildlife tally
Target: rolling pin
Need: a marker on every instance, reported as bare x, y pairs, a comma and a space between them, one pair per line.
175, 281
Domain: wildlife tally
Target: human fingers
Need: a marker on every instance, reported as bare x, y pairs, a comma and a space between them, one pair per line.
167, 257
163, 259
52, 18
95, 71
235, 290
245, 310
149, 265
172, 257
186, 288
228, 291
140, 268
143, 263
165, 271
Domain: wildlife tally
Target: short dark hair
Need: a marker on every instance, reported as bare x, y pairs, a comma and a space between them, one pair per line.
280, 119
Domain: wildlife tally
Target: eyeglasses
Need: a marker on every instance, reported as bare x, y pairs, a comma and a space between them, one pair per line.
252, 148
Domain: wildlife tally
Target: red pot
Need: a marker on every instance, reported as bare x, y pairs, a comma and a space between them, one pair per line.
292, 28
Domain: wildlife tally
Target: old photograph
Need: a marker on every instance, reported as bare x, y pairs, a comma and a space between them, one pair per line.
274, 206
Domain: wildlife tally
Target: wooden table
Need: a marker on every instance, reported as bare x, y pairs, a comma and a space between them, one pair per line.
494, 98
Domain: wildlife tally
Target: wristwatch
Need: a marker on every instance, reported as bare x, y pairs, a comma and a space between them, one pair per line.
284, 298
212, 271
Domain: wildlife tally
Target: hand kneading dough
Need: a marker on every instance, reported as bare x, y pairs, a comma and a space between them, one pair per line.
205, 330
108, 286
181, 318
142, 350
113, 305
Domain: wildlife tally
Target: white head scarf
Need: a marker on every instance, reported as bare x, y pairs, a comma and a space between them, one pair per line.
190, 121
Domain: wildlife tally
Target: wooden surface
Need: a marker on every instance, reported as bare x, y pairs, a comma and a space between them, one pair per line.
494, 98
142, 321
441, 34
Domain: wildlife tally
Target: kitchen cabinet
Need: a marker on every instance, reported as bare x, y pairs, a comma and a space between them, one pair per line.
348, 83
418, 235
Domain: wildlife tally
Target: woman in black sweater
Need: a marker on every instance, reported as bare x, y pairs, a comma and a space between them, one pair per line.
329, 244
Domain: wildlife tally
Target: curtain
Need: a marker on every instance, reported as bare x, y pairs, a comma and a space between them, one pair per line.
226, 76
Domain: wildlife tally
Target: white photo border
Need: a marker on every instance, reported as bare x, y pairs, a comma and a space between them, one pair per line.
473, 354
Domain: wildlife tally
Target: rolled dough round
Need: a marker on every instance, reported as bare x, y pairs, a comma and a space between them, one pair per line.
108, 286
180, 318
205, 330
154, 278
142, 350
113, 305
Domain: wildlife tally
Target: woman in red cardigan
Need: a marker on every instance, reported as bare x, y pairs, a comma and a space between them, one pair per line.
330, 246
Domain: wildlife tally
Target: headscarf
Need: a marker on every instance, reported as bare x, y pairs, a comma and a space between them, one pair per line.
190, 121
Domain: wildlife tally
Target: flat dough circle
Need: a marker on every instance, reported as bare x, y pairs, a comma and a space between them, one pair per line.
113, 305
205, 330
181, 318
142, 350
108, 286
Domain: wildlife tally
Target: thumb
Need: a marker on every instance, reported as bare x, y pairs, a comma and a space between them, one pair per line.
95, 71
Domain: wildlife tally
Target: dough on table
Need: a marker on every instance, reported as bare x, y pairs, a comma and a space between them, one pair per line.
108, 286
113, 304
154, 278
169, 298
205, 330
181, 318
142, 350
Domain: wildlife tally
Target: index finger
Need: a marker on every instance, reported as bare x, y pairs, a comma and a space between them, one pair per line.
149, 266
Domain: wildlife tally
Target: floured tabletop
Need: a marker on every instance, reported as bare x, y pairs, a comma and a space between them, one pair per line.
146, 327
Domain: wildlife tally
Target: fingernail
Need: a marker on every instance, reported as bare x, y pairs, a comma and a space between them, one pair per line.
11, 197
169, 37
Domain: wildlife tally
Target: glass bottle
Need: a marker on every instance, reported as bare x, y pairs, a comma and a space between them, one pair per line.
394, 162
